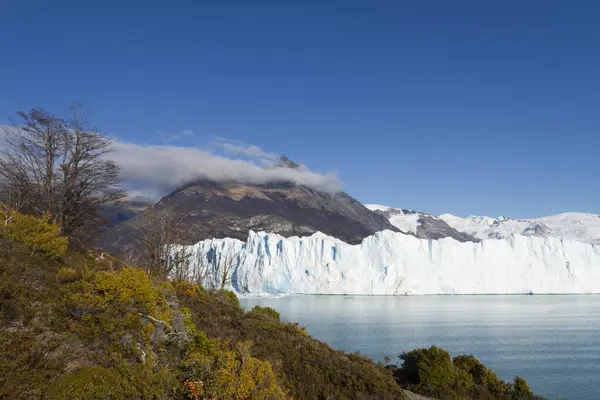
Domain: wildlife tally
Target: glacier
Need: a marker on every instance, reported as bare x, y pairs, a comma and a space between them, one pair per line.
391, 263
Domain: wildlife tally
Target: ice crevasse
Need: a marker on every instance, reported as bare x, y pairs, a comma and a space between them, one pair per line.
390, 263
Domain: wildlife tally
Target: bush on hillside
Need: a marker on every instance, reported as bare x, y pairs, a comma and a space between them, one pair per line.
432, 372
118, 334
521, 388
267, 312
39, 234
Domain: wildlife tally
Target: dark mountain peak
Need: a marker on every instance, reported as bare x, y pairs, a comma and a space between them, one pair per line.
286, 162
212, 209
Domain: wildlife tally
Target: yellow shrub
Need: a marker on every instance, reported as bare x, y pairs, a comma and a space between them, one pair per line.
241, 376
132, 286
111, 302
38, 233
66, 274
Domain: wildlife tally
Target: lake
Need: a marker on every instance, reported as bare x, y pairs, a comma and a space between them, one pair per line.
552, 341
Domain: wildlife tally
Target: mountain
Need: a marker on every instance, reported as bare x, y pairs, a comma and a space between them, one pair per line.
393, 263
124, 210
231, 209
581, 227
420, 224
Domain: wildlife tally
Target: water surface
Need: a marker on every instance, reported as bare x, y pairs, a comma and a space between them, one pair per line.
552, 341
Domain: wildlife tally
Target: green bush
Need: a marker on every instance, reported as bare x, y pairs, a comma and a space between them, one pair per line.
430, 368
122, 382
521, 388
267, 312
229, 296
431, 372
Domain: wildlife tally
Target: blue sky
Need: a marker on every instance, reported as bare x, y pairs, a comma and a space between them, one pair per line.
460, 107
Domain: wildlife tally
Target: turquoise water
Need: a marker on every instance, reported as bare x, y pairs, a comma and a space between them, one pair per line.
552, 341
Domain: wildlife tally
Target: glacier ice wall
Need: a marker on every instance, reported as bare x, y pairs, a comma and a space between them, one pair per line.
389, 263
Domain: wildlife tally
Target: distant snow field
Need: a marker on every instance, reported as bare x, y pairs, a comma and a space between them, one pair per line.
570, 226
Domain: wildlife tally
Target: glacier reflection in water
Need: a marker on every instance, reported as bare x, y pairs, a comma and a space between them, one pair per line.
552, 341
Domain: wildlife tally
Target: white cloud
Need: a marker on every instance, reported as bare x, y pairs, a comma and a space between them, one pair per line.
151, 169
239, 148
187, 132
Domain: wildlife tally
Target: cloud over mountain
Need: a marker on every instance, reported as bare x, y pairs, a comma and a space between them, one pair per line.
152, 170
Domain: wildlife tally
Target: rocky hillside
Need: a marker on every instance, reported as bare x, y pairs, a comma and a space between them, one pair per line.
211, 209
117, 213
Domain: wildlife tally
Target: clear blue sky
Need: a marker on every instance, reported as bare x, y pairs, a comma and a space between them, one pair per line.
463, 107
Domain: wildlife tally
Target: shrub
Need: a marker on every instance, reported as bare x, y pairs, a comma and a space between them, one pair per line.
113, 302
431, 372
217, 370
241, 376
66, 274
431, 368
482, 375
229, 296
267, 312
125, 381
40, 234
521, 387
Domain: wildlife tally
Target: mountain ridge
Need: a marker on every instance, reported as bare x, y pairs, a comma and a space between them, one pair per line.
584, 227
211, 209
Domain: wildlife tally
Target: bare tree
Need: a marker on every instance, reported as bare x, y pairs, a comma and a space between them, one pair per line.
181, 264
158, 250
202, 271
158, 233
224, 275
59, 166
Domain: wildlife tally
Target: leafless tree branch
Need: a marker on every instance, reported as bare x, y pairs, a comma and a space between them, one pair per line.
59, 166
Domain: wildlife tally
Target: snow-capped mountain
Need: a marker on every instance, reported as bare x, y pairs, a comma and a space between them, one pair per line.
393, 263
420, 224
570, 226
405, 220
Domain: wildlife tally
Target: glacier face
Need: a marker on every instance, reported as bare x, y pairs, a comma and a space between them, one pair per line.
390, 263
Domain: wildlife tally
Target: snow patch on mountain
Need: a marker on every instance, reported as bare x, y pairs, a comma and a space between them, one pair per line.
390, 263
405, 220
420, 224
570, 226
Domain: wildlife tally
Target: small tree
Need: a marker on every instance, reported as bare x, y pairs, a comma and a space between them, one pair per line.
59, 166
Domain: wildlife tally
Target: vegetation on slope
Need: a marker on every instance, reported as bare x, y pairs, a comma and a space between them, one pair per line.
433, 372
73, 327
77, 328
